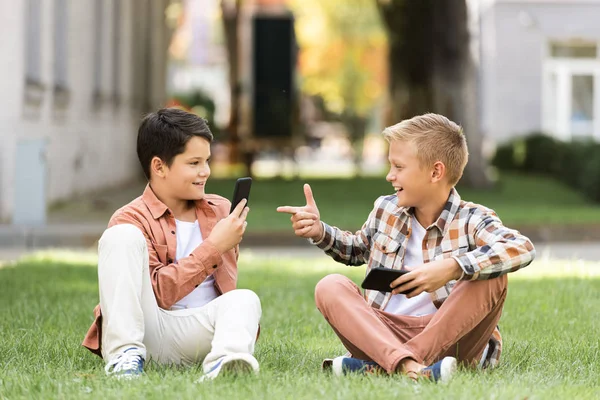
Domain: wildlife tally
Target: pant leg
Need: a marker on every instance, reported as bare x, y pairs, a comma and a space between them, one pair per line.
464, 324
227, 325
234, 317
358, 325
129, 308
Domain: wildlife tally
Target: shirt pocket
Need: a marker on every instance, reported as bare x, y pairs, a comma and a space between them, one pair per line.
387, 252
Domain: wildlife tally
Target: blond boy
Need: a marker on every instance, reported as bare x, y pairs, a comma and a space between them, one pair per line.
458, 253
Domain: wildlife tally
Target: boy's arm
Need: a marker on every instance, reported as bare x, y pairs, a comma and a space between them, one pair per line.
499, 250
347, 247
172, 282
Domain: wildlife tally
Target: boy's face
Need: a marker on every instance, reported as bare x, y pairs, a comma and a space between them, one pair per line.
186, 178
411, 181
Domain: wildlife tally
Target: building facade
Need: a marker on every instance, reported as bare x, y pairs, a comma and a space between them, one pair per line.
75, 76
540, 68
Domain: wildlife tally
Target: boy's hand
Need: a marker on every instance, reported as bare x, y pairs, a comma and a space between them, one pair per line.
305, 220
228, 232
428, 277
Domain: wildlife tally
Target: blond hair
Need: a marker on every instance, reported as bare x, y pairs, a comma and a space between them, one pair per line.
436, 138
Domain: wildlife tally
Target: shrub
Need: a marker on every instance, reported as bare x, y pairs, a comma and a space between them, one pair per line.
576, 163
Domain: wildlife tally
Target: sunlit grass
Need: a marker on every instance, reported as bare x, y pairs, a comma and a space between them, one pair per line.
549, 325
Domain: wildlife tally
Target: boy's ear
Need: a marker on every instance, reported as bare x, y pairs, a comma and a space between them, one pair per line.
438, 172
157, 167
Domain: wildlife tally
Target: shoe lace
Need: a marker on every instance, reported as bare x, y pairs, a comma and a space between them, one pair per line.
128, 360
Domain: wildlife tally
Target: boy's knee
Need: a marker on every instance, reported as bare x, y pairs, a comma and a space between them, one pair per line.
246, 297
126, 235
328, 289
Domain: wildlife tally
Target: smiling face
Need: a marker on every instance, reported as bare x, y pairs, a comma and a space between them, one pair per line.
186, 177
412, 182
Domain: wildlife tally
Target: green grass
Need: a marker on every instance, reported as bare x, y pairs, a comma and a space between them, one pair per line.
550, 325
518, 200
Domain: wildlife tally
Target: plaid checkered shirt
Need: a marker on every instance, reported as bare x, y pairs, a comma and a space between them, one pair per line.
471, 234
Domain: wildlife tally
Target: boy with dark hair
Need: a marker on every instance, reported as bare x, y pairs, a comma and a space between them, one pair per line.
167, 264
458, 254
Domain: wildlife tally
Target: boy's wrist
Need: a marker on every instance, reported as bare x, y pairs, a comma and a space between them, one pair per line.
319, 237
454, 270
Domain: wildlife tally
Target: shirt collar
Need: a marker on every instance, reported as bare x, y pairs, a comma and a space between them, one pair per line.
450, 209
448, 212
158, 208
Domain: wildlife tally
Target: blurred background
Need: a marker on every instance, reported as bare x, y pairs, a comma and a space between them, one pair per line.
297, 91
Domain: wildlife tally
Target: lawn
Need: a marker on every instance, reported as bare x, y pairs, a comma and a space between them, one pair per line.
518, 199
550, 325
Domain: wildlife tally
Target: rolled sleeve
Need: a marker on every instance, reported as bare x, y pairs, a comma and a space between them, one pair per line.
207, 255
498, 249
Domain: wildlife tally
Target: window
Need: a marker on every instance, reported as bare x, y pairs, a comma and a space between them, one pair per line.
98, 59
116, 48
61, 95
34, 89
573, 50
33, 48
571, 90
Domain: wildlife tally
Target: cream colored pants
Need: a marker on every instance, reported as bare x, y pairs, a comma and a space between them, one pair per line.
131, 316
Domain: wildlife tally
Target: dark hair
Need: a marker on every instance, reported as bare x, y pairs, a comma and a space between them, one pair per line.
165, 133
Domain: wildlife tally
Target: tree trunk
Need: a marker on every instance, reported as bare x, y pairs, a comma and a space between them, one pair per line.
455, 78
410, 57
231, 15
432, 69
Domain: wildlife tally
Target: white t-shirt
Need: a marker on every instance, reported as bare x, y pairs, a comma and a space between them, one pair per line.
189, 237
399, 304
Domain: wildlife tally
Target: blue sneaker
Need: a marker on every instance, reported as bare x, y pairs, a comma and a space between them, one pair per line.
127, 365
441, 371
348, 365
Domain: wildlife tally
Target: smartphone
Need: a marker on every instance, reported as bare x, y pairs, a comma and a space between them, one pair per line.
380, 279
241, 191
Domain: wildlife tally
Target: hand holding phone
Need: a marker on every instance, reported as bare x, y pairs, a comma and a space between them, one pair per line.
380, 279
228, 232
241, 191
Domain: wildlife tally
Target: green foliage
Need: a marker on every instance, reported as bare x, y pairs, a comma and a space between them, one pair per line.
342, 53
576, 164
201, 104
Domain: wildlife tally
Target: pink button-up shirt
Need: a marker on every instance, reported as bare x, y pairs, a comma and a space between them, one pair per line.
173, 281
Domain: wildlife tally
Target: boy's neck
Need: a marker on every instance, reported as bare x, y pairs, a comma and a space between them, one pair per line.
181, 209
428, 213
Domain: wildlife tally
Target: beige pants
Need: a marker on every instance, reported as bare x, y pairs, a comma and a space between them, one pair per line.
132, 318
461, 327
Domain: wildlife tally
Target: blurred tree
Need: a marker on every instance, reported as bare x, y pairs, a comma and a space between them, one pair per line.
342, 58
432, 69
231, 11
199, 103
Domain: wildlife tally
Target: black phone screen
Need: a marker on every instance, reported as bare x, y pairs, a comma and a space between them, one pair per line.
241, 191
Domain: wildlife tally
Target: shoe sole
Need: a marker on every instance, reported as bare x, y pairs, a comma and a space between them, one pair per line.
336, 366
236, 368
447, 369
234, 365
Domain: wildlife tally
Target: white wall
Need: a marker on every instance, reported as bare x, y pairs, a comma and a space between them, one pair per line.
88, 148
514, 40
